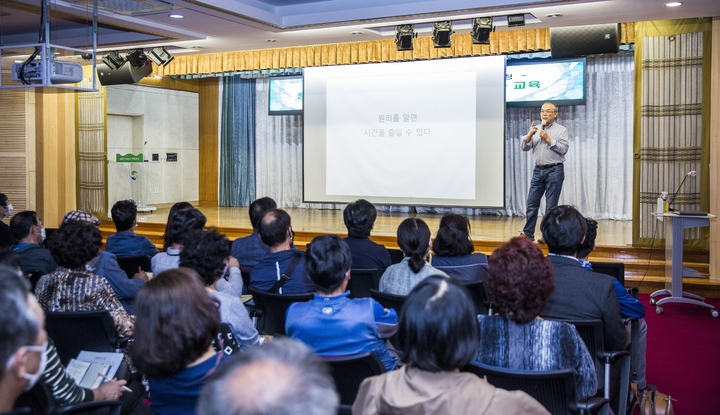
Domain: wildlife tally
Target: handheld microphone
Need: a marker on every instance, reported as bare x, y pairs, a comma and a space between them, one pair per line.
542, 126
692, 173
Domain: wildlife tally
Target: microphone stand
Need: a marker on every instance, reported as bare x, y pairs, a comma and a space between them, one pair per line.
676, 192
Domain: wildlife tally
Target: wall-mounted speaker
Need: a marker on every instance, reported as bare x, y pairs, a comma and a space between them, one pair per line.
584, 40
126, 74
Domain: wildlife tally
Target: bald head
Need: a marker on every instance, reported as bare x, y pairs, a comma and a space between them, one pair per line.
274, 228
281, 377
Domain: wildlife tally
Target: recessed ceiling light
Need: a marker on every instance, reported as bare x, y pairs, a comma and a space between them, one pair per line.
673, 4
157, 77
356, 33
271, 40
554, 15
177, 16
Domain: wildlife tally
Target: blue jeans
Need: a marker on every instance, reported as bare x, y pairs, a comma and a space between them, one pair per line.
546, 181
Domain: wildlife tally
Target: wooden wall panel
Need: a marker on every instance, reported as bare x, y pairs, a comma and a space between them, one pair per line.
55, 154
209, 140
13, 151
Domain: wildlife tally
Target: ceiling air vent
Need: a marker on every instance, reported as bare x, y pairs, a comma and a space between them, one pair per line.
127, 7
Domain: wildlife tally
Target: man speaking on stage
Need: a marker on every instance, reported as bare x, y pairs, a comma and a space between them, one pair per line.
549, 143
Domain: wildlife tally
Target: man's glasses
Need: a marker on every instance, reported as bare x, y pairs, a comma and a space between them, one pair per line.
548, 111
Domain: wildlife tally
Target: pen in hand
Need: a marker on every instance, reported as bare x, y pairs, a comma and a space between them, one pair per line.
124, 388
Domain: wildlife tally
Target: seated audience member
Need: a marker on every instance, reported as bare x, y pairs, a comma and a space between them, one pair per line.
208, 254
29, 231
283, 259
176, 323
359, 217
184, 221
520, 282
333, 324
453, 250
67, 392
250, 250
6, 210
629, 306
413, 237
579, 293
171, 215
281, 377
438, 335
106, 265
72, 287
22, 338
126, 242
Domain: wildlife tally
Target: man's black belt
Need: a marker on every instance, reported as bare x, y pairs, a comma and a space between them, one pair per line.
547, 166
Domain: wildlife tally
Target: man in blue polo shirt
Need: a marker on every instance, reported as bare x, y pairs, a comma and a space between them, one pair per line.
332, 323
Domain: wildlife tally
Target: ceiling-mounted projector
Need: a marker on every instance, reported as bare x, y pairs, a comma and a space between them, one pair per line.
60, 72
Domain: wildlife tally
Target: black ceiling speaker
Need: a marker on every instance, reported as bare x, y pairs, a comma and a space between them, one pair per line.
584, 40
126, 74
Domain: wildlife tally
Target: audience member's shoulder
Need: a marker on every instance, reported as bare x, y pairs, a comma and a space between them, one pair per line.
516, 402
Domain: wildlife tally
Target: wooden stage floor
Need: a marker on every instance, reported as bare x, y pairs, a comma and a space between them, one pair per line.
486, 228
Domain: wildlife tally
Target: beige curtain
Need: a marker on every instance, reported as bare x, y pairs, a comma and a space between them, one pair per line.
672, 110
505, 42
92, 164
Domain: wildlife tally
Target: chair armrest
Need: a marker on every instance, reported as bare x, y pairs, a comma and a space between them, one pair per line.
633, 291
123, 342
626, 320
592, 405
609, 357
123, 371
91, 407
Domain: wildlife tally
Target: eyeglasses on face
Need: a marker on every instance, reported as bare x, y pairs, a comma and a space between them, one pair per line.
548, 111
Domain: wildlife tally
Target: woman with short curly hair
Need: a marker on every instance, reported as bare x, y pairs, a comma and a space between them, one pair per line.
520, 282
71, 287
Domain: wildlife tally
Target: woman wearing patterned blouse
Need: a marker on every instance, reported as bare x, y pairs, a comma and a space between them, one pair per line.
520, 282
72, 287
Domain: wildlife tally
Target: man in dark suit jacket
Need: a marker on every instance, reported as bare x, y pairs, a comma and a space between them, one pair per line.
579, 293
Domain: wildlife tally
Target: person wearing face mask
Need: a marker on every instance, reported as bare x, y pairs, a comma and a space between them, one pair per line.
6, 210
22, 339
28, 230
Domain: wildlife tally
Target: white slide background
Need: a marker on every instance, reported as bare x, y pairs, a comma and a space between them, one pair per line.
424, 133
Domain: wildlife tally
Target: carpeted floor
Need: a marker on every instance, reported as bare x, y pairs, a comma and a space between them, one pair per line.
683, 355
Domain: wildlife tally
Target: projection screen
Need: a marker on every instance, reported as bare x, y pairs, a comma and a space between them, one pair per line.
426, 133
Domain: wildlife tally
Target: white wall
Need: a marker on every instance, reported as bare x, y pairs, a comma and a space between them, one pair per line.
167, 121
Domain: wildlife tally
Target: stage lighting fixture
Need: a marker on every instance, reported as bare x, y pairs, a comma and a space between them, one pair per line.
404, 35
137, 58
442, 34
113, 60
482, 26
515, 20
160, 56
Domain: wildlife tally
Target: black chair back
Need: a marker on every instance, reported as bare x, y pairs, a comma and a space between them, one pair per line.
132, 264
362, 280
396, 256
554, 389
479, 297
591, 332
388, 300
350, 371
73, 332
613, 269
34, 277
273, 308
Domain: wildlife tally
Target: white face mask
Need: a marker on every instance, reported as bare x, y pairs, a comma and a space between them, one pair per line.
34, 377
42, 234
9, 209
